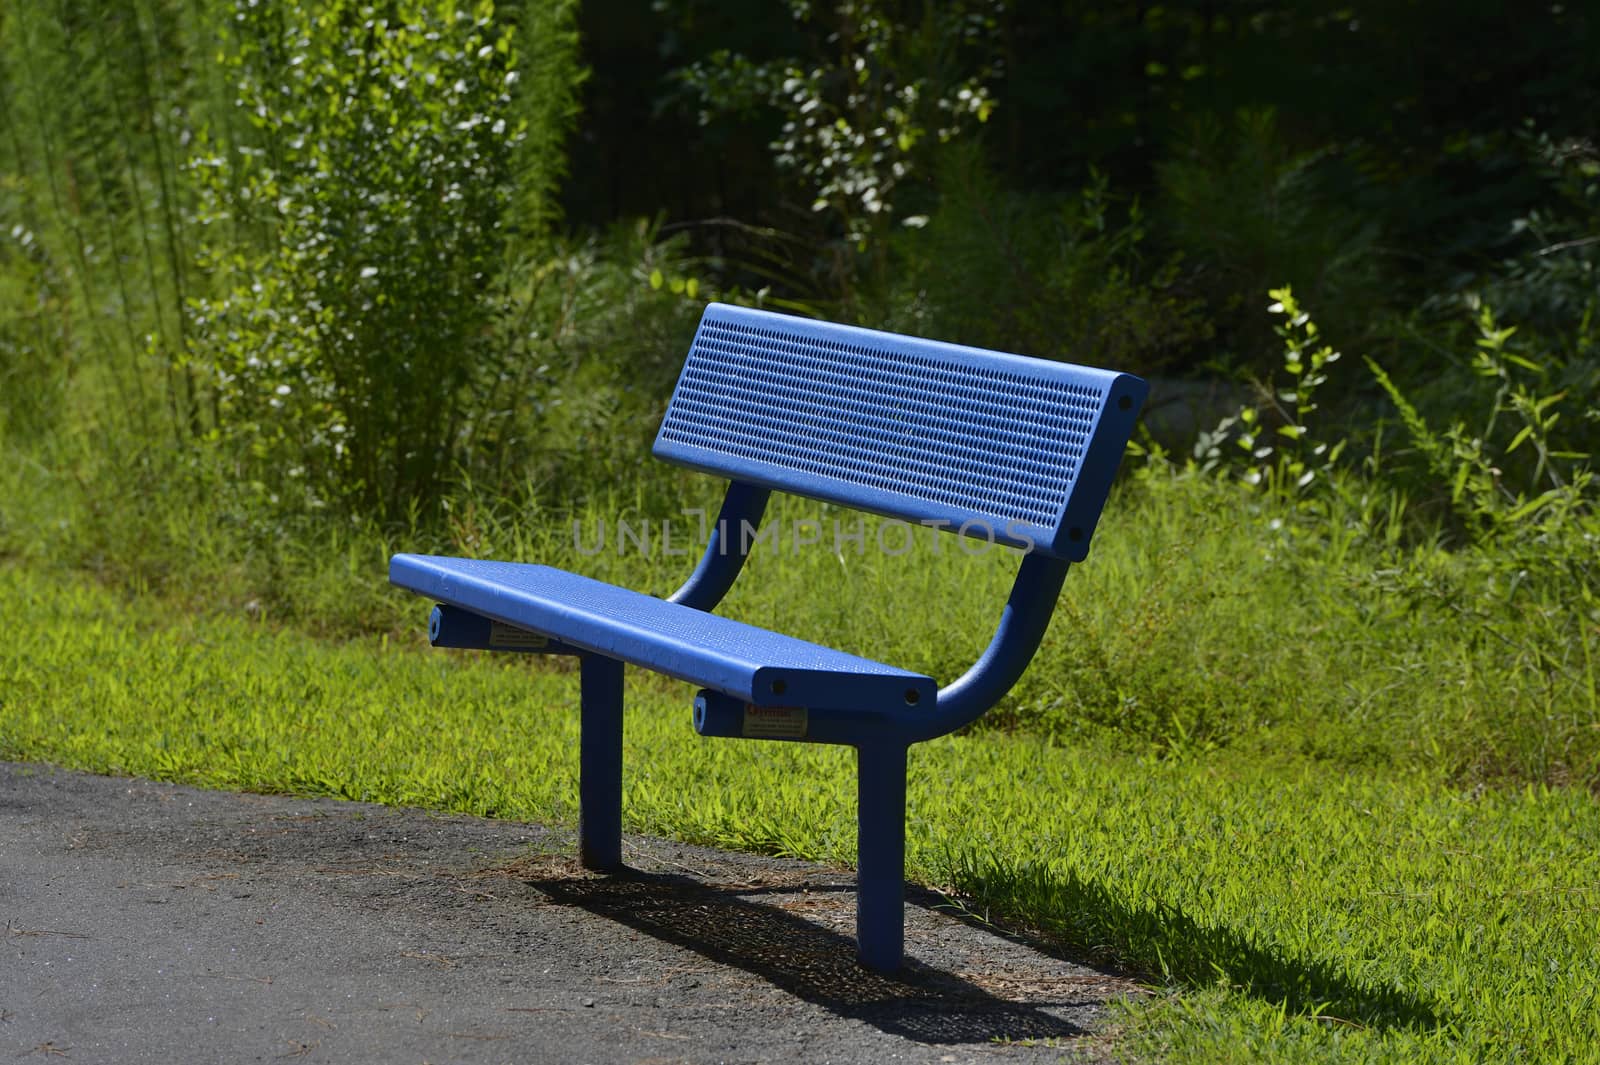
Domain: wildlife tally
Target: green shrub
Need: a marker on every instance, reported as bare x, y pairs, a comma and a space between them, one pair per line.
350, 352
1548, 274
1278, 445
878, 88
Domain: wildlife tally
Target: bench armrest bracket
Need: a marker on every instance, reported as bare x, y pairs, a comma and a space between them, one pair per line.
1022, 625
726, 548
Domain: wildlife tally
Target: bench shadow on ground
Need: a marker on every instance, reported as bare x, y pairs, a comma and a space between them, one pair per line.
814, 963
936, 1006
1195, 954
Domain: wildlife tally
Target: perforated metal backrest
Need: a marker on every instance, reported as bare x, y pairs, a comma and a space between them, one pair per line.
999, 446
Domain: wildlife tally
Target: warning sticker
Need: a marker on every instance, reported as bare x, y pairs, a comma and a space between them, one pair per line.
774, 722
513, 638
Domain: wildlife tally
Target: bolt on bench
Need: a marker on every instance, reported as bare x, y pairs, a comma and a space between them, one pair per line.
1016, 450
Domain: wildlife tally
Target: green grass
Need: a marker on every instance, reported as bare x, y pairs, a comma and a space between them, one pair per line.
1205, 618
1296, 910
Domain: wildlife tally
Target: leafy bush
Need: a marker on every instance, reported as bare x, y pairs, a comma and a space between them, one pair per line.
1515, 470
349, 352
1522, 470
881, 85
1277, 447
1548, 276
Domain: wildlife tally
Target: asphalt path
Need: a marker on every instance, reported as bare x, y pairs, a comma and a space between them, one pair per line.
147, 922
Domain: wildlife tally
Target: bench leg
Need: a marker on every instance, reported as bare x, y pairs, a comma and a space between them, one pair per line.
600, 763
881, 856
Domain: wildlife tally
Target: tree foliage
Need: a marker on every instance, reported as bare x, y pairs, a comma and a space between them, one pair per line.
1371, 154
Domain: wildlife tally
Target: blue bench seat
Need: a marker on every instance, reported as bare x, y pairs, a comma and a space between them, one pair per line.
749, 663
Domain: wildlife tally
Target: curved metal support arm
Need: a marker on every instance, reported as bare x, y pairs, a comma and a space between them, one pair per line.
1022, 625
726, 547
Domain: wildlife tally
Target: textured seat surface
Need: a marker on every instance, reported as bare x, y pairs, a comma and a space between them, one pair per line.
750, 663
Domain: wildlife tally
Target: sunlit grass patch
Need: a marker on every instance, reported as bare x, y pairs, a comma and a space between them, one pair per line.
1296, 911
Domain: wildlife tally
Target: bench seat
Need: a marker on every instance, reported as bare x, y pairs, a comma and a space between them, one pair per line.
743, 661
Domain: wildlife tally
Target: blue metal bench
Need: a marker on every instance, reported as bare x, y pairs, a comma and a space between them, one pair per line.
1013, 449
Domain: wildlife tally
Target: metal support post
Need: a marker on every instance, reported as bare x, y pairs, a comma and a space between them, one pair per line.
600, 764
881, 855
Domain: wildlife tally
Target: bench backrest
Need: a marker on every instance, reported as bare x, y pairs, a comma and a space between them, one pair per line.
1003, 447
